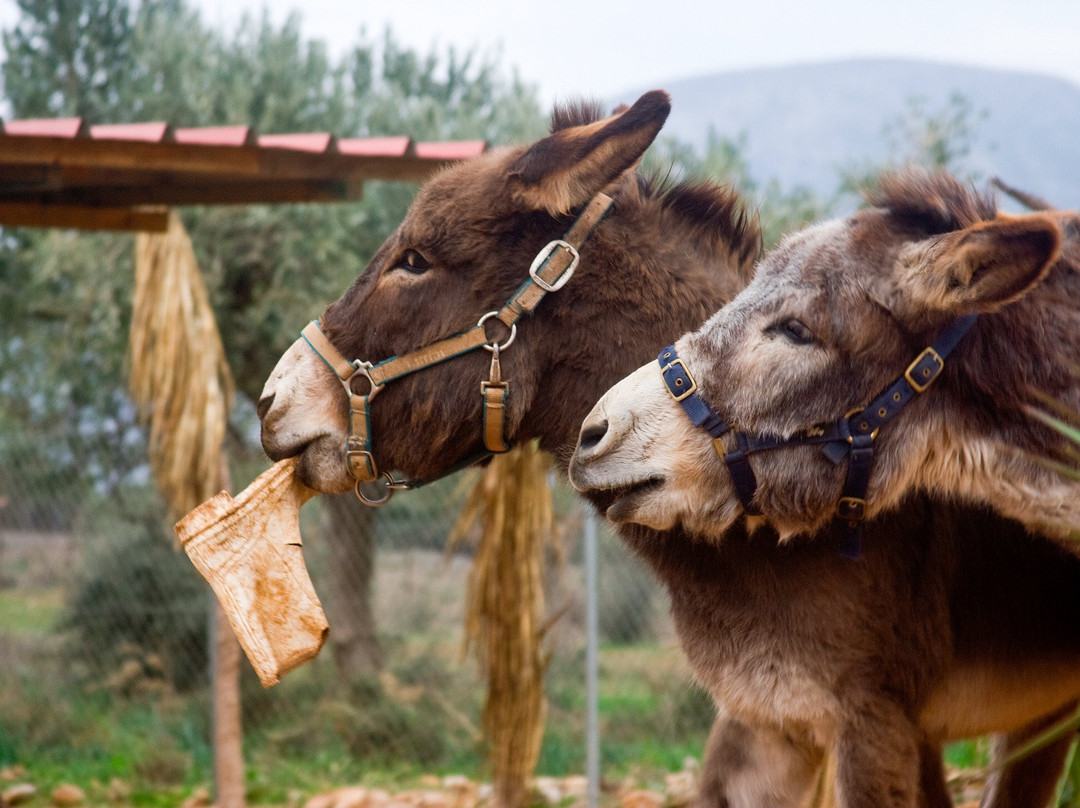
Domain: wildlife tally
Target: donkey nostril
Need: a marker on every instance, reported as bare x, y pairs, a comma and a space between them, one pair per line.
265, 403
592, 434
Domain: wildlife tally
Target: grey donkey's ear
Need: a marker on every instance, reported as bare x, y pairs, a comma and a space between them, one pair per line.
982, 267
567, 168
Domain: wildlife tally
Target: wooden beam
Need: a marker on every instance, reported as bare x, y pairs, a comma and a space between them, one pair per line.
128, 154
208, 191
185, 159
81, 217
279, 163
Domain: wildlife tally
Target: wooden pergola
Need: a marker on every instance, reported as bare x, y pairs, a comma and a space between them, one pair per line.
62, 172
65, 173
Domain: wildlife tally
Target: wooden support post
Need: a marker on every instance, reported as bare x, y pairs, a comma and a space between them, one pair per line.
227, 731
227, 734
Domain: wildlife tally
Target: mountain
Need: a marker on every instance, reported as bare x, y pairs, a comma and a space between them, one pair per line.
804, 122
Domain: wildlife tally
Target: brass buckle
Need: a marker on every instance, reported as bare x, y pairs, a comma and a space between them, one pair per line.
693, 384
718, 445
937, 359
351, 452
856, 508
543, 256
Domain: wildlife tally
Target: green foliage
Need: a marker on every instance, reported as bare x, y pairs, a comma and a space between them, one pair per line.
724, 160
89, 45
652, 717
626, 593
940, 138
922, 136
138, 609
421, 714
1068, 792
268, 269
65, 424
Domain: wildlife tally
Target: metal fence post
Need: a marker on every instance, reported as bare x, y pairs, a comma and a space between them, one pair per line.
592, 639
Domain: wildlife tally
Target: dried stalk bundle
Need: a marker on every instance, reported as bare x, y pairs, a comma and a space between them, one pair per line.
505, 610
179, 379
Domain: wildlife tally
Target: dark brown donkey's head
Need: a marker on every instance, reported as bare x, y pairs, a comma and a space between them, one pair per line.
831, 319
656, 266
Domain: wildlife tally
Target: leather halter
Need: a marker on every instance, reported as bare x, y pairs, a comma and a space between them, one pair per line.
853, 435
553, 266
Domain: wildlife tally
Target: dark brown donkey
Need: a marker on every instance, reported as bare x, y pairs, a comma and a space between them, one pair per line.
655, 267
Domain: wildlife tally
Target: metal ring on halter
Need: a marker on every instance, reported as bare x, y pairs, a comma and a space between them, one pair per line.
376, 503
505, 345
362, 369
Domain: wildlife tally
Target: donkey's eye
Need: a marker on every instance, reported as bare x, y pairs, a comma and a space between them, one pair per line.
413, 262
794, 331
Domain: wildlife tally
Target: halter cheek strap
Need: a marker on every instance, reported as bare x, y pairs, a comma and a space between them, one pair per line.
851, 436
552, 268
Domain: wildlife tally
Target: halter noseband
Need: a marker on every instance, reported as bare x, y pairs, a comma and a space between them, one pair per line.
551, 269
852, 435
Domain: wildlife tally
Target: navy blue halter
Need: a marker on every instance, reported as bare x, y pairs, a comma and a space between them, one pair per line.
851, 436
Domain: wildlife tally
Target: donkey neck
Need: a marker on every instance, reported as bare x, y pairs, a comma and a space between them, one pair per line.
1023, 354
651, 272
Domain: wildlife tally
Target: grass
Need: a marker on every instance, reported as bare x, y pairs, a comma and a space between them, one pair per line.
33, 613
313, 732
312, 737
968, 754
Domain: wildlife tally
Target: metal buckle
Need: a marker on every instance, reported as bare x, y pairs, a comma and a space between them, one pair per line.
937, 359
718, 446
693, 383
851, 508
543, 256
351, 452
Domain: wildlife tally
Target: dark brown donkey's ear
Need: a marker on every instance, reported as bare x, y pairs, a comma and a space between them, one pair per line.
566, 169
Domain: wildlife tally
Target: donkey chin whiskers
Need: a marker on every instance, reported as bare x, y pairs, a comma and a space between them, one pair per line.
619, 499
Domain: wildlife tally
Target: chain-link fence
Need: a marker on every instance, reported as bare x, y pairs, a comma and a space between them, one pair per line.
104, 635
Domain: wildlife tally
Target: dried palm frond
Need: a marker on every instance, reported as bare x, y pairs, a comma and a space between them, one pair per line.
505, 610
179, 378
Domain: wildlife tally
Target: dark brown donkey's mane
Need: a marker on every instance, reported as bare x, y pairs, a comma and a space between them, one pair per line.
716, 215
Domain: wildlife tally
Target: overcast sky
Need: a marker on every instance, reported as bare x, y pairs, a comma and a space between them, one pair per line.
579, 47
576, 47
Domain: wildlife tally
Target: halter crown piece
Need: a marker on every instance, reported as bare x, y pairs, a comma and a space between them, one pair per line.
851, 436
553, 266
